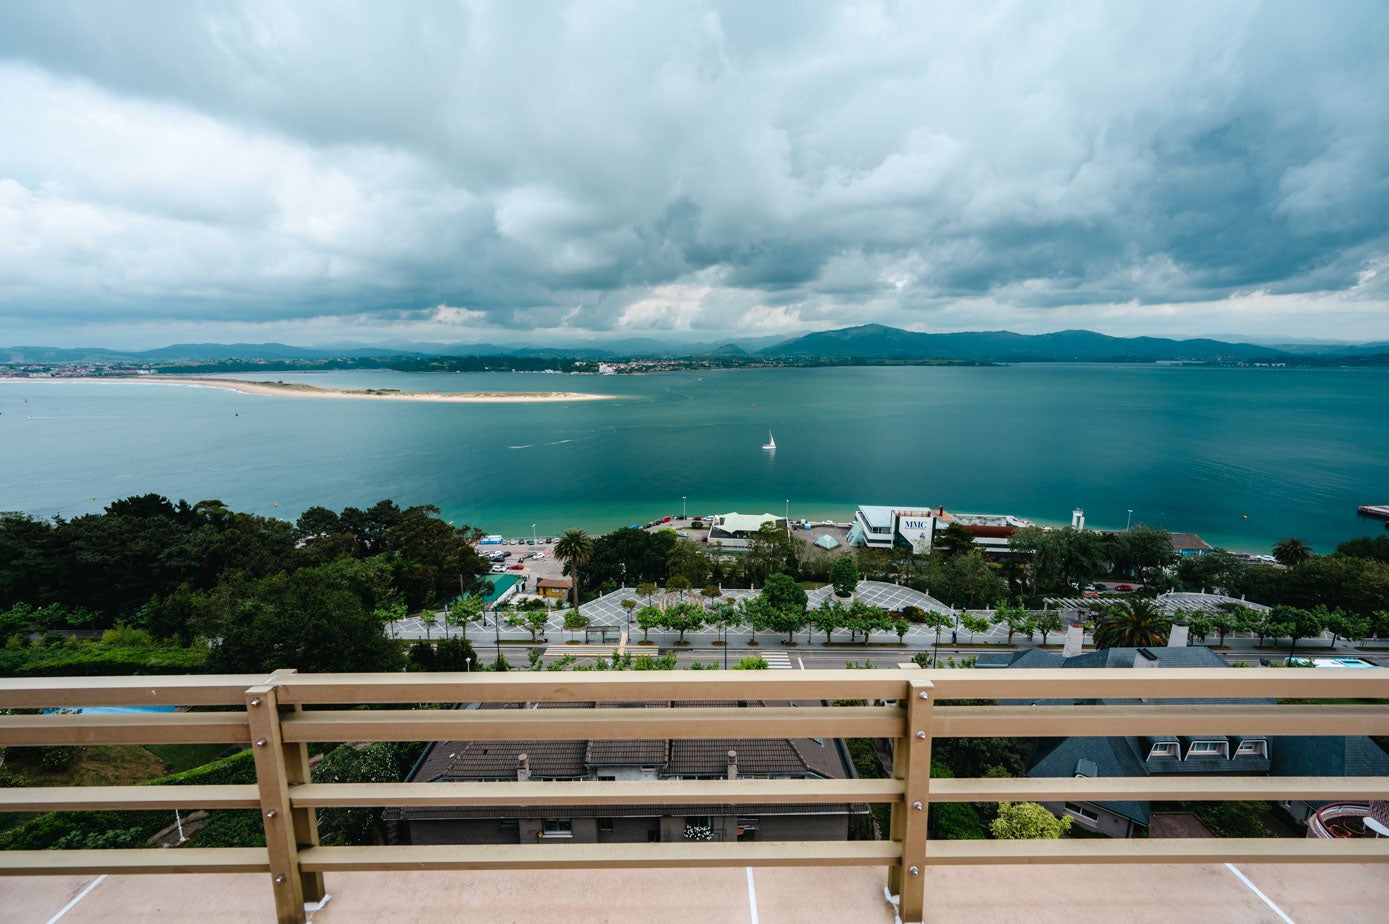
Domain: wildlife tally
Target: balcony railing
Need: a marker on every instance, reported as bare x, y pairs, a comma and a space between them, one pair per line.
269, 714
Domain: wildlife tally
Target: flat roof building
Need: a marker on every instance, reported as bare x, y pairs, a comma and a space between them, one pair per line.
915, 527
731, 530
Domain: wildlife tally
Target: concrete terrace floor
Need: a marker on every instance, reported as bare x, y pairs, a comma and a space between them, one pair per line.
1301, 893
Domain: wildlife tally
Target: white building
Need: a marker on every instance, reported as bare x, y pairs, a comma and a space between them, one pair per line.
899, 527
731, 530
883, 527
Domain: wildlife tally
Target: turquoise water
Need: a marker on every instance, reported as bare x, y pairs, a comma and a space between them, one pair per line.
1242, 456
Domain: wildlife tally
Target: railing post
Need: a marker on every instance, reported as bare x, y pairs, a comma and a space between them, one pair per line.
297, 772
274, 759
911, 763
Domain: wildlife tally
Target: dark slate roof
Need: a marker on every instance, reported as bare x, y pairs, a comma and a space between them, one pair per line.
1181, 541
1318, 755
1110, 757
499, 760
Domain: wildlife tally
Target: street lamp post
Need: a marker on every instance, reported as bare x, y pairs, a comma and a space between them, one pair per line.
682, 508
788, 516
532, 532
1128, 520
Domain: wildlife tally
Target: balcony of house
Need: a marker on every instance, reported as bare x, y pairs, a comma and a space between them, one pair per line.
294, 878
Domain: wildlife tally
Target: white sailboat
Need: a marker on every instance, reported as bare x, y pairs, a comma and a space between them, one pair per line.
771, 443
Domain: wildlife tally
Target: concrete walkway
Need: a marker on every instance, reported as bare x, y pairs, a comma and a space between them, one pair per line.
1173, 894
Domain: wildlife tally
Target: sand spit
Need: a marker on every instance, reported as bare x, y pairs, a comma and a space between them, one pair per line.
298, 390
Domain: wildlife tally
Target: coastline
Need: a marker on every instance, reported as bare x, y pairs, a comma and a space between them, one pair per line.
300, 390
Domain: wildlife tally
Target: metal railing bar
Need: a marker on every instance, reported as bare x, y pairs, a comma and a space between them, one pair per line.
1158, 788
134, 860
1109, 721
1158, 850
137, 728
127, 798
604, 724
601, 856
662, 792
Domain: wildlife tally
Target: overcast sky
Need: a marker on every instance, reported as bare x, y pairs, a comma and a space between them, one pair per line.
460, 172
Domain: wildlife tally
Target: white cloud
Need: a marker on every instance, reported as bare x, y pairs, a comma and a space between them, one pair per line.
690, 166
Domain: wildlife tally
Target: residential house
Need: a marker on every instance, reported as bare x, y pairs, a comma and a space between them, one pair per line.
1166, 755
662, 759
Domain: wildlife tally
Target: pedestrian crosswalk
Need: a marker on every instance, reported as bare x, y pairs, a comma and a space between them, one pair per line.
777, 660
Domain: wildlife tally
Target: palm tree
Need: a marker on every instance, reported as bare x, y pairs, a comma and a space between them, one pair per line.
1135, 623
1291, 551
574, 547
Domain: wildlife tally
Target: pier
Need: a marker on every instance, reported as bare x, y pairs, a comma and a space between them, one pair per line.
1380, 511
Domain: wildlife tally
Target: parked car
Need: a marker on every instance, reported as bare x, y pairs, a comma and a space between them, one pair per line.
517, 567
1124, 588
499, 569
537, 555
1092, 593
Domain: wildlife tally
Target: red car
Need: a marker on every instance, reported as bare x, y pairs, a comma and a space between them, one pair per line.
517, 567
1124, 588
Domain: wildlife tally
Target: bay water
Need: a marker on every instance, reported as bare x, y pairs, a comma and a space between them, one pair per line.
1243, 457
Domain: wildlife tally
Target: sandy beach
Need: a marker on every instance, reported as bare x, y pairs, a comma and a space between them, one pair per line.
298, 390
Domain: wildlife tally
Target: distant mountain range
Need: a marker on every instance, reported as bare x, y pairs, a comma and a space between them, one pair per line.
874, 341
869, 342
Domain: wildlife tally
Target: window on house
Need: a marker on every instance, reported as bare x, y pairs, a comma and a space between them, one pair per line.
1163, 749
1253, 748
557, 827
1083, 813
1206, 749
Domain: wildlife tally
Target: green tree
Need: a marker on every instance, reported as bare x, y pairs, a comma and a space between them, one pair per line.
1047, 623
1346, 625
975, 624
574, 621
1134, 623
574, 547
966, 580
647, 590
680, 584
1294, 623
724, 615
1014, 618
952, 540
310, 620
844, 576
829, 616
771, 549
687, 560
682, 618
711, 592
533, 621
466, 609
648, 618
1027, 821
455, 655
1291, 551
866, 619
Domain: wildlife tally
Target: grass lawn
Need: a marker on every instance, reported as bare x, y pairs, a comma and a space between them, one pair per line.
181, 757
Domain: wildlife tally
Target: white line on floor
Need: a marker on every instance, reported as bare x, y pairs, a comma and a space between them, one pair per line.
752, 897
1255, 889
80, 895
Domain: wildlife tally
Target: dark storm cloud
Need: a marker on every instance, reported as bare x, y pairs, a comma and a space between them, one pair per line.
382, 168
